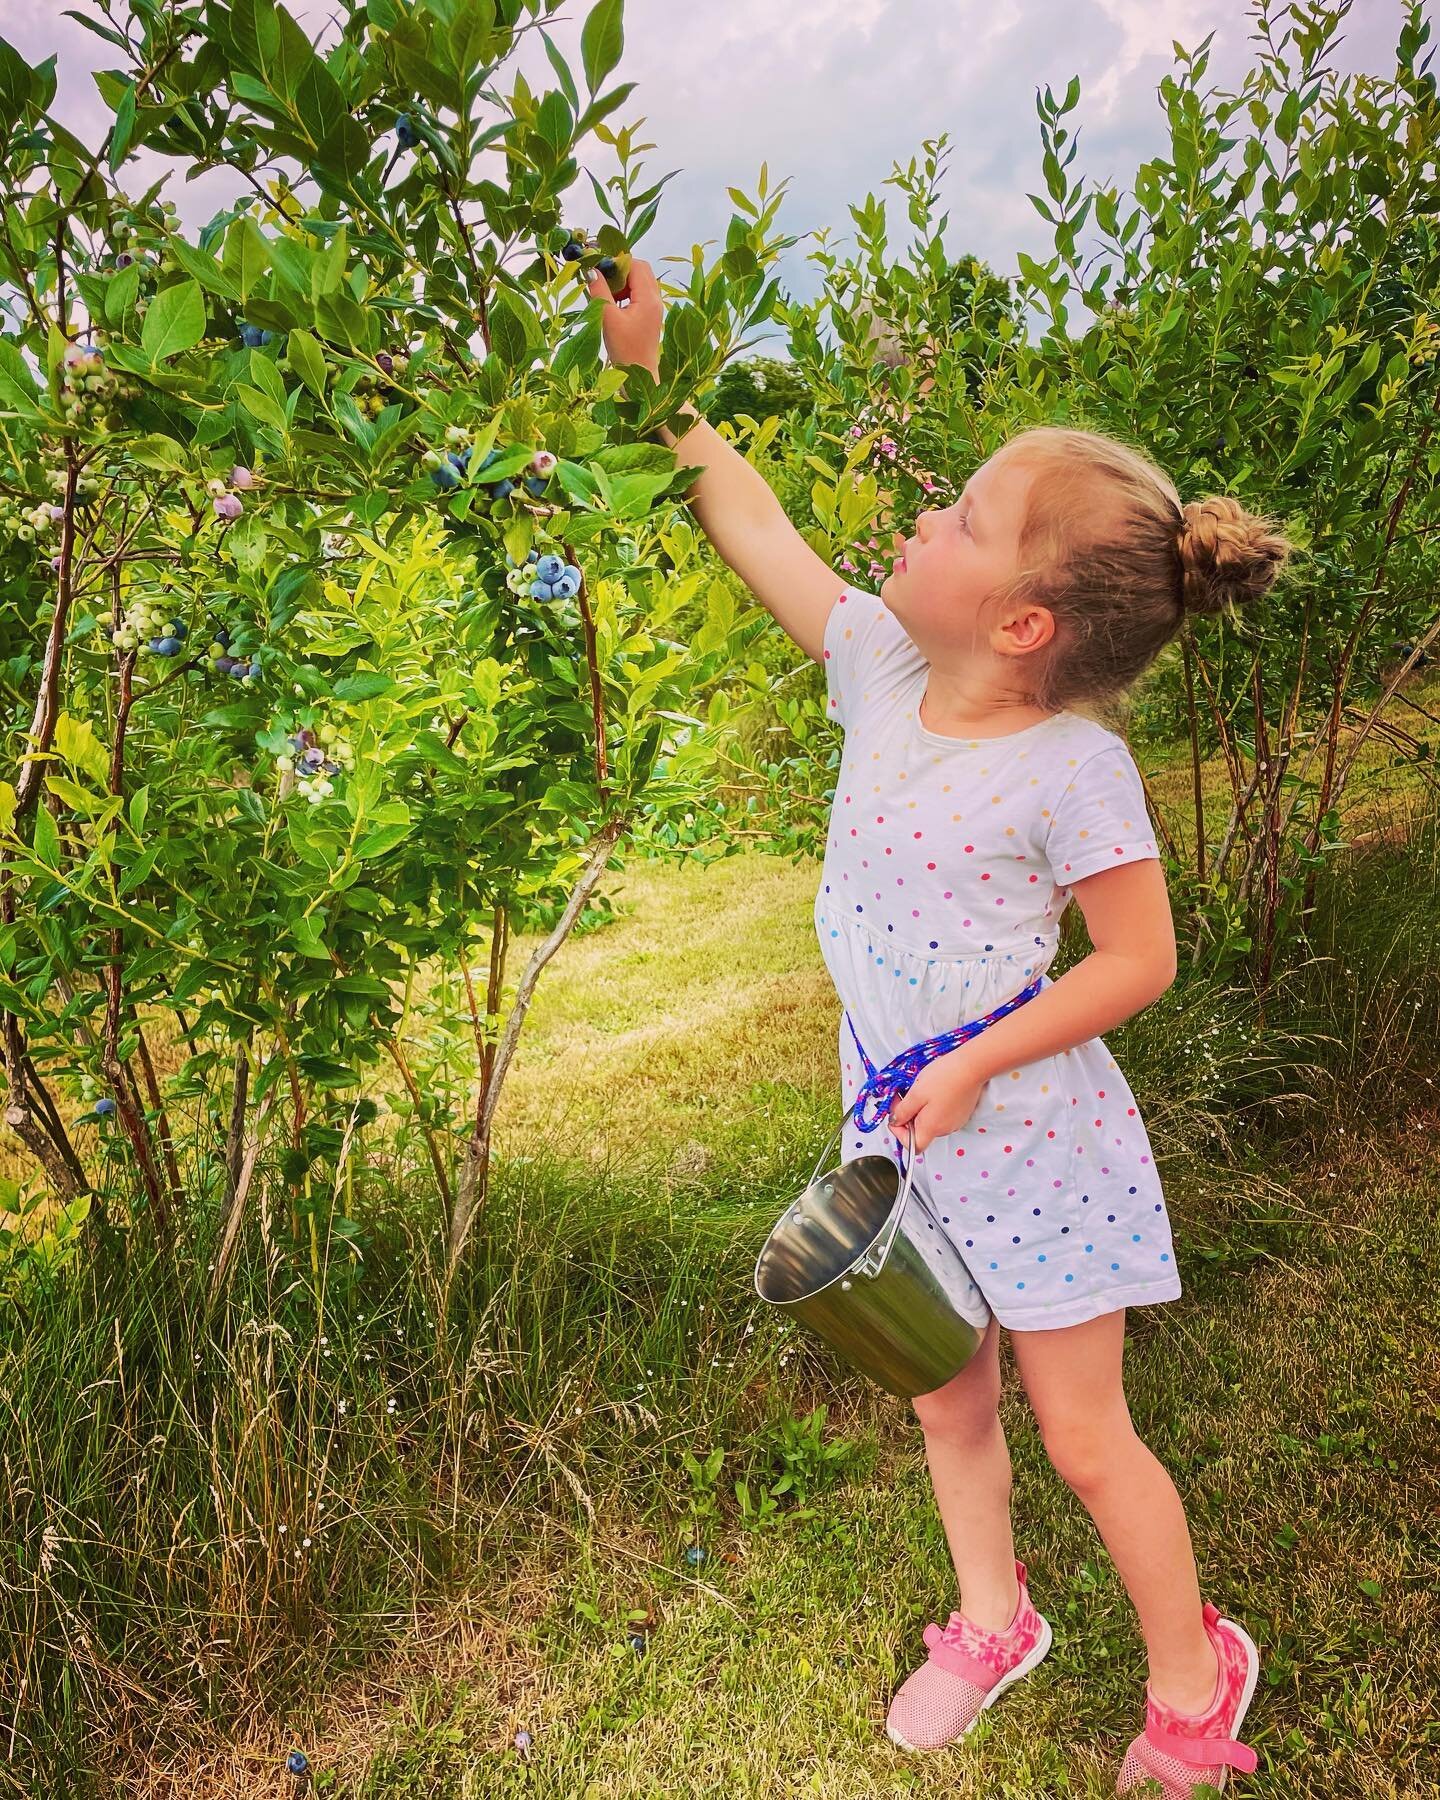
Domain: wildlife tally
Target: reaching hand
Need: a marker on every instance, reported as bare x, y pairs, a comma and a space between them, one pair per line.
632, 332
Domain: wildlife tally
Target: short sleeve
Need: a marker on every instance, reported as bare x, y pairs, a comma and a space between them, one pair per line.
1101, 819
866, 647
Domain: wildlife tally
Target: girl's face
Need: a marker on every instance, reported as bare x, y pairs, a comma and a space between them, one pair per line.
957, 557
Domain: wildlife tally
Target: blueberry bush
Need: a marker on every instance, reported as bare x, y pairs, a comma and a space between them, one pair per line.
348, 621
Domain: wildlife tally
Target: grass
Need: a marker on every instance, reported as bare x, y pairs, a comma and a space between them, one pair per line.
315, 1519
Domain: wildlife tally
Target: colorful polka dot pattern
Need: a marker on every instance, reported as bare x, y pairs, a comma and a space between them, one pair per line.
948, 865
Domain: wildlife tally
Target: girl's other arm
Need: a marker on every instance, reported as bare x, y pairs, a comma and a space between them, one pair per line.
1127, 915
734, 503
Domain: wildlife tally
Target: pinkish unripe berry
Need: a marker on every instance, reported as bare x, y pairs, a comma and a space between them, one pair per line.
229, 506
241, 477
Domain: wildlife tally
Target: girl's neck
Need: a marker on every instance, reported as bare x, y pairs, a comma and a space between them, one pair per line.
967, 706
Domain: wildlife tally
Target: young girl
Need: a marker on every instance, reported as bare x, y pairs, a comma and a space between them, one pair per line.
971, 804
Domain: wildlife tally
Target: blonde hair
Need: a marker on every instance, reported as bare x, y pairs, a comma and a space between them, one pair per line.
1108, 547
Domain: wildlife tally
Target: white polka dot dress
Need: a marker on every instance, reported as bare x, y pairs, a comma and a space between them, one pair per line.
947, 868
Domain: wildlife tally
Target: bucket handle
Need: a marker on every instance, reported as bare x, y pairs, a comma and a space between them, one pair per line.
874, 1258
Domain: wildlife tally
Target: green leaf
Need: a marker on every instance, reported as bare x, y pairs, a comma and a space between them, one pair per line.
325, 1071
555, 122
206, 269
76, 742
342, 320
365, 684
156, 451
386, 838
122, 293
262, 407
123, 129
473, 37
174, 322
602, 41
307, 359
246, 256
515, 334
562, 71
47, 839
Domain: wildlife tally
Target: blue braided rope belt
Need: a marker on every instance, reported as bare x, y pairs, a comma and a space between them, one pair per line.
882, 1087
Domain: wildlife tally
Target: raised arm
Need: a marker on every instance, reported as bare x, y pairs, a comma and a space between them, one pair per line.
734, 503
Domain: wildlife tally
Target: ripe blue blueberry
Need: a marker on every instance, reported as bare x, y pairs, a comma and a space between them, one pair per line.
239, 670
573, 251
297, 1763
105, 1108
637, 1642
694, 1554
550, 567
607, 265
224, 664
570, 569
565, 587
168, 646
179, 630
253, 338
540, 590
533, 556
502, 490
449, 475
405, 135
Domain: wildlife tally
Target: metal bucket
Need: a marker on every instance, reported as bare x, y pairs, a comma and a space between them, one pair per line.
870, 1270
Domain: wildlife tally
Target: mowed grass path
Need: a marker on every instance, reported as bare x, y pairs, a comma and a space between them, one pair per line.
1292, 1393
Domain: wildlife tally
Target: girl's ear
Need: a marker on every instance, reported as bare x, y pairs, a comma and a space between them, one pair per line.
1022, 629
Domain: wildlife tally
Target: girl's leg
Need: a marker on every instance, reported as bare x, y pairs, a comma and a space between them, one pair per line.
970, 1469
1073, 1380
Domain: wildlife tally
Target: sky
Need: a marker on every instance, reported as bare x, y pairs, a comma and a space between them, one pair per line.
831, 93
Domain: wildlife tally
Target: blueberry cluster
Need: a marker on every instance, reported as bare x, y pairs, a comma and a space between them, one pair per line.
546, 577
57, 474
448, 468
90, 392
149, 628
316, 754
229, 505
227, 658
26, 523
373, 393
616, 270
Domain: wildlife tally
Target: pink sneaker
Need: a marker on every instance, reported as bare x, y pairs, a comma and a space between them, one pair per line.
967, 1670
1181, 1752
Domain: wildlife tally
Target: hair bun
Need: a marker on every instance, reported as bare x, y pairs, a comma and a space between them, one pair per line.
1228, 556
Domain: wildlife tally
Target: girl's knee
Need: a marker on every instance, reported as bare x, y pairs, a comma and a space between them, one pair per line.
1085, 1454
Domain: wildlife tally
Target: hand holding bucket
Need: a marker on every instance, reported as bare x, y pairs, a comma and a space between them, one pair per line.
860, 1257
